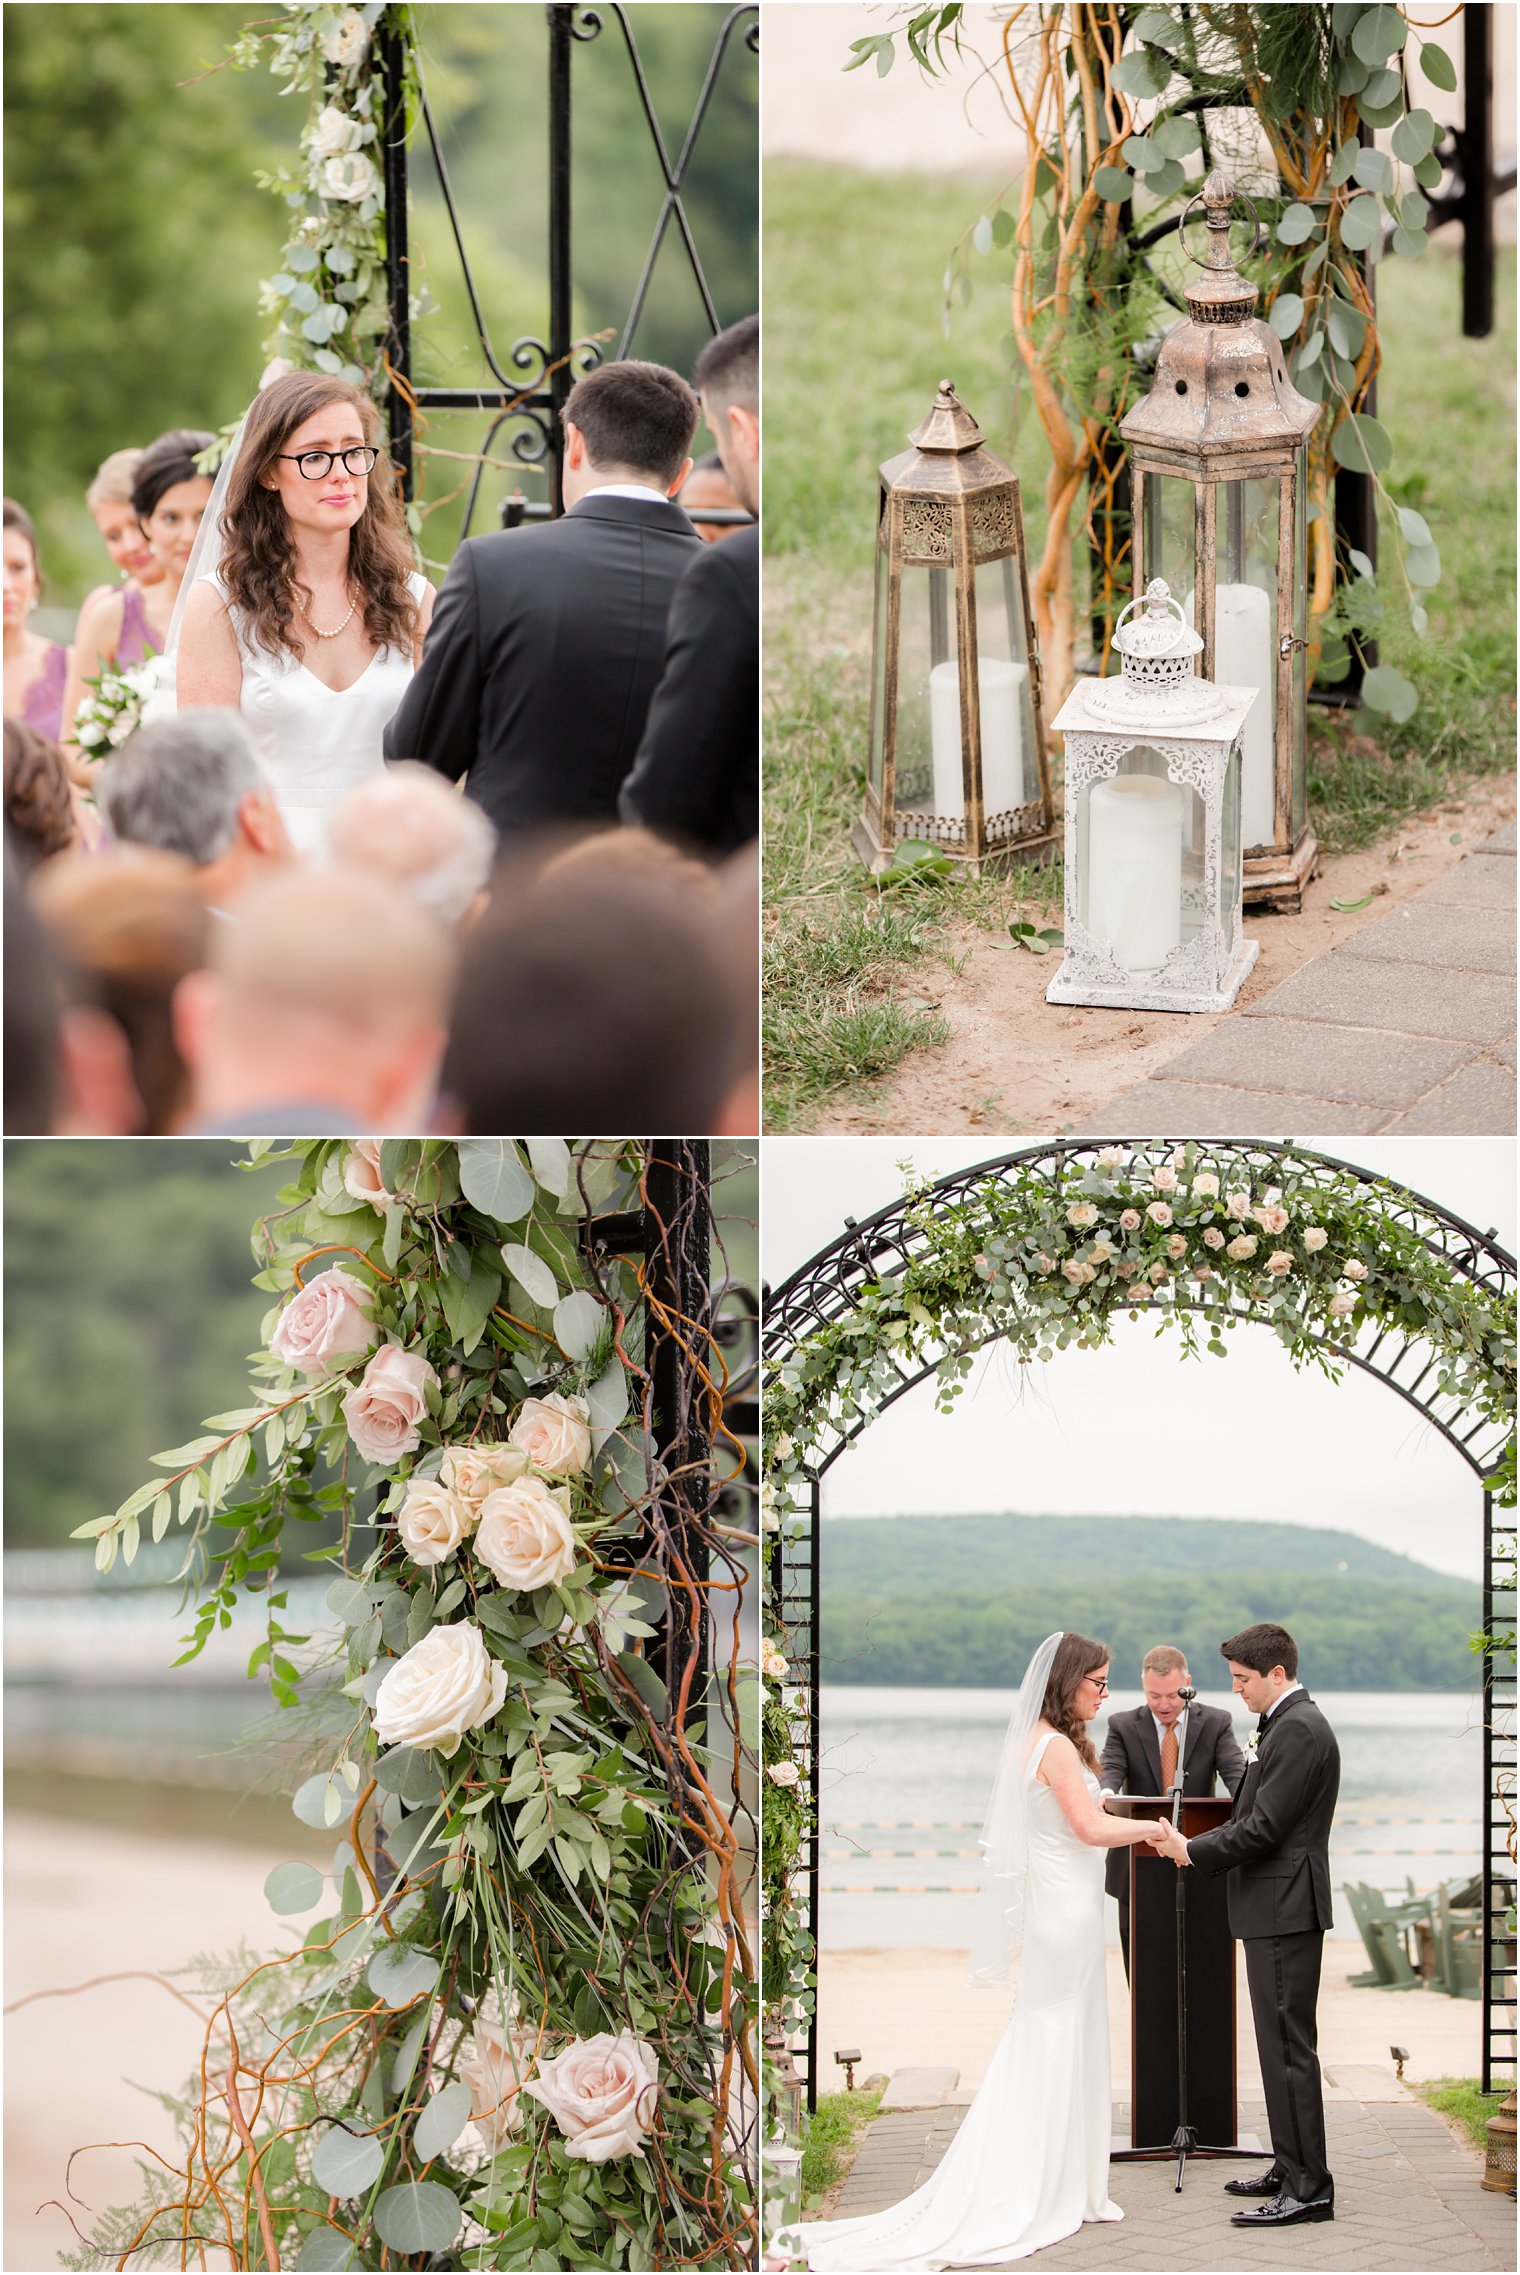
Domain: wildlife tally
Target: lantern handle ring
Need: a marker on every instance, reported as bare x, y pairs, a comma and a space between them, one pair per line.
1259, 236
1156, 596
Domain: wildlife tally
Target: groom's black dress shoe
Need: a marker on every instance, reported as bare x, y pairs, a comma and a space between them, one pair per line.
1284, 2212
1266, 2184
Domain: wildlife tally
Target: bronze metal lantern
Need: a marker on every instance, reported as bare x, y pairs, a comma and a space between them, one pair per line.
1218, 458
957, 737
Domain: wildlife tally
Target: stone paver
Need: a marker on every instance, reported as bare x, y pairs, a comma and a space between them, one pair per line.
1407, 2196
1408, 1027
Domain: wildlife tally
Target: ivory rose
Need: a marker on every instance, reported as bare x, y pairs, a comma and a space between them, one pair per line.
1112, 1157
1126, 1270
384, 1408
1342, 1305
1082, 1213
1130, 1221
1164, 1180
1101, 1250
783, 1773
474, 1471
1274, 1221
1213, 1238
524, 1534
1242, 1246
446, 1684
1077, 1272
361, 1173
495, 2064
552, 1432
347, 40
1354, 1271
1140, 1292
326, 1321
1206, 1187
334, 132
1237, 1204
601, 2092
1203, 1271
1279, 1262
1315, 1237
774, 1663
432, 1523
1176, 1246
1159, 1273
348, 179
1159, 1212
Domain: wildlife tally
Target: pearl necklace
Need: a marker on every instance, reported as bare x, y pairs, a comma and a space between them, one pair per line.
321, 635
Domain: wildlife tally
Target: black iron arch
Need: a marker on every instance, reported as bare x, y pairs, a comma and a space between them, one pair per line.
828, 1287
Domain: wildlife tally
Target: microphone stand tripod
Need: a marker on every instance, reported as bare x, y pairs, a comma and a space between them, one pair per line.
1185, 2141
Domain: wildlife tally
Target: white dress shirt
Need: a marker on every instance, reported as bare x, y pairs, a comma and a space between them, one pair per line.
630, 490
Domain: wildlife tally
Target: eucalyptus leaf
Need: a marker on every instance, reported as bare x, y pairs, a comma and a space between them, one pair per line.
1113, 185
347, 2164
531, 1273
1422, 565
1382, 89
1374, 170
1379, 33
492, 1179
1166, 181
1388, 691
1362, 223
1347, 327
1361, 444
294, 1888
399, 1973
410, 1774
309, 1801
578, 1323
441, 2122
327, 2248
981, 235
1438, 67
1345, 162
1409, 244
1141, 73
300, 258
1286, 314
550, 1159
1414, 137
417, 2216
1360, 562
1140, 153
1296, 226
1413, 527
1178, 137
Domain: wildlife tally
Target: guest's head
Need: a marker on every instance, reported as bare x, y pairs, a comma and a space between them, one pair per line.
39, 809
23, 566
1263, 1663
191, 785
412, 830
628, 422
301, 479
109, 498
595, 994
1163, 1678
169, 496
327, 994
728, 381
130, 926
708, 486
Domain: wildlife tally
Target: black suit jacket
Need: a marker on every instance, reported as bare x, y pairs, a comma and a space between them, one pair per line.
545, 647
697, 775
1276, 1846
1132, 1764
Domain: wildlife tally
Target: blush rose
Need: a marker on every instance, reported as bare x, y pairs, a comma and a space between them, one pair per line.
326, 1321
601, 2092
384, 1408
553, 1433
524, 1535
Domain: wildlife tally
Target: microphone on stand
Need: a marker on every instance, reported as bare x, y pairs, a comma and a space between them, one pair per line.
1187, 1694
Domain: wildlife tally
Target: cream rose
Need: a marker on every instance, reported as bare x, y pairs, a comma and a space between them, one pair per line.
1279, 1262
1130, 1221
1159, 1273
1126, 1270
334, 133
1206, 1187
1045, 1263
1164, 1180
783, 1773
1203, 1271
1081, 1213
1101, 1250
775, 1666
361, 1173
1342, 1305
1238, 1204
1176, 1246
496, 2063
474, 1471
348, 179
552, 1432
432, 1523
1315, 1237
1242, 1246
384, 1408
1353, 1271
347, 40
524, 1534
1077, 1272
1160, 1213
1112, 1157
601, 2092
1213, 1238
1140, 1292
326, 1321
446, 1684
783, 1447
1274, 1221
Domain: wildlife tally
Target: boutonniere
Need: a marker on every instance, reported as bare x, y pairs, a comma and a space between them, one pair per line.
1251, 1745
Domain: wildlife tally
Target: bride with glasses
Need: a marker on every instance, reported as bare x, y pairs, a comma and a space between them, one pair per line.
302, 608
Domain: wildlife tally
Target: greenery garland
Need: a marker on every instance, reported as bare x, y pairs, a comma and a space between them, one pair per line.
1050, 1263
517, 2032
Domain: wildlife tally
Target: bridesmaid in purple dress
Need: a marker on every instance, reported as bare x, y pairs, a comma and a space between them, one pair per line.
35, 669
126, 623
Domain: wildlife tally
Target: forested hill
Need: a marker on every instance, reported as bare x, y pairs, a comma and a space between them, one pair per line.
961, 1601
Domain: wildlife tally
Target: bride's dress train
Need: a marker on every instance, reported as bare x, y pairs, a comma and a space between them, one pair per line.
1029, 2163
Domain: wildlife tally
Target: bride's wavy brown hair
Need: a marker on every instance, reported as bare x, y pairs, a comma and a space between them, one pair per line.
1076, 1656
258, 557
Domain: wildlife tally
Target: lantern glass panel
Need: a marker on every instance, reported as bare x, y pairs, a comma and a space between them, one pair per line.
929, 778
1010, 769
1140, 866
1299, 714
1231, 867
1245, 636
1169, 525
879, 671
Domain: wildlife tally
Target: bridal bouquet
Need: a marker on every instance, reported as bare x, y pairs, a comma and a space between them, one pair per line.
515, 2030
117, 705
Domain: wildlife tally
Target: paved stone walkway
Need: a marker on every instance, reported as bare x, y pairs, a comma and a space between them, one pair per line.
1408, 1029
1407, 2196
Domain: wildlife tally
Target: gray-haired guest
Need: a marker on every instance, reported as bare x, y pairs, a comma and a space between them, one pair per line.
192, 785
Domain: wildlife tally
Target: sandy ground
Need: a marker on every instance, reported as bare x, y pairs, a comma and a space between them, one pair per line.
1015, 1062
81, 1900
913, 2008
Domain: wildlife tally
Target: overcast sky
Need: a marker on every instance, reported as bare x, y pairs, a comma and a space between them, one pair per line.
1134, 1430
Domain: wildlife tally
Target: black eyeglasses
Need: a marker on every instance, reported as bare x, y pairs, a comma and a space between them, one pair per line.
1099, 1684
316, 465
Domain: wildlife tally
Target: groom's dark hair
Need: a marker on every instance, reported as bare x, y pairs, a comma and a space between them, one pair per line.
638, 415
1262, 1648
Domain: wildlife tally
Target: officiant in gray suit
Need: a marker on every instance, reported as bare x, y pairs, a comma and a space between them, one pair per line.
1140, 1755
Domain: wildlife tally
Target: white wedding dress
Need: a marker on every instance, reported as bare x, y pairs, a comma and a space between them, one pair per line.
1029, 2163
317, 743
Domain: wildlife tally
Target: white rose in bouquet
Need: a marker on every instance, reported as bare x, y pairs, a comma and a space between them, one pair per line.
783, 1773
1279, 1262
329, 1319
347, 40
474, 1471
334, 132
432, 1523
1206, 1186
1354, 1271
1237, 1204
446, 1684
1272, 1220
361, 1173
601, 2092
1164, 1180
525, 1536
553, 1433
384, 1408
1082, 1213
1112, 1157
496, 2063
1342, 1305
1213, 1238
348, 179
1315, 1237
1243, 1246
1160, 1213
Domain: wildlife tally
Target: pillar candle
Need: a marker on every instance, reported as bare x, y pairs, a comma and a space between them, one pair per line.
1002, 693
1244, 657
1134, 868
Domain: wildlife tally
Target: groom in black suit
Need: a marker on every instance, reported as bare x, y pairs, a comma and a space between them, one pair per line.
1140, 1755
546, 642
1276, 1849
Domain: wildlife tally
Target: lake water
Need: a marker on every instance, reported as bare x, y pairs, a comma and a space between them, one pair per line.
906, 1774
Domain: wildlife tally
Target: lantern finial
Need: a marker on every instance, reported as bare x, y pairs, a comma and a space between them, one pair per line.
949, 426
1221, 295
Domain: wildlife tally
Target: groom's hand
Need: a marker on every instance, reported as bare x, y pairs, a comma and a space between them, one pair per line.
1171, 1842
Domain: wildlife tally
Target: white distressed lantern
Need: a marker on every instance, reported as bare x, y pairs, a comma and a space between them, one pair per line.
1153, 846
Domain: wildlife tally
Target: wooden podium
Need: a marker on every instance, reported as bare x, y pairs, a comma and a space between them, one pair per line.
1209, 1959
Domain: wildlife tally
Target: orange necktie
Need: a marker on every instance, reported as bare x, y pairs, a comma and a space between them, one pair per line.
1168, 1760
